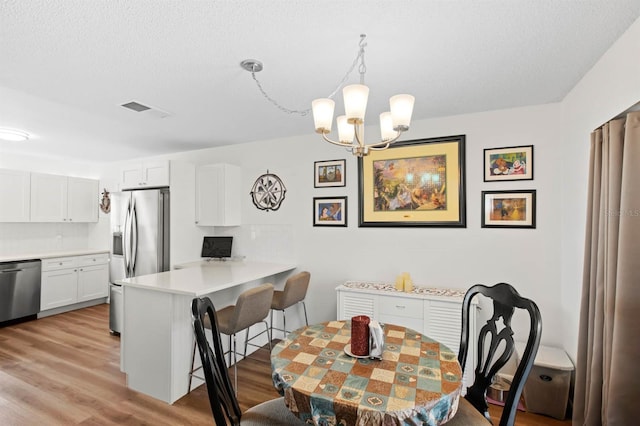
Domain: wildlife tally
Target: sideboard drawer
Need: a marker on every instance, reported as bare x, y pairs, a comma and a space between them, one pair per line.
401, 307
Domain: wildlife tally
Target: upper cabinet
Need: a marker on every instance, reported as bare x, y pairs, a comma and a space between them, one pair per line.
63, 199
148, 174
218, 195
15, 195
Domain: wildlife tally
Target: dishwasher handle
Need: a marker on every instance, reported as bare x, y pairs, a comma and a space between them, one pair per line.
4, 271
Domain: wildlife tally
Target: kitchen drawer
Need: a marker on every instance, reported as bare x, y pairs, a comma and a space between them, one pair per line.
401, 307
93, 259
56, 263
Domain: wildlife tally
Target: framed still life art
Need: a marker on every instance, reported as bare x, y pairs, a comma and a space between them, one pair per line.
509, 209
508, 163
418, 183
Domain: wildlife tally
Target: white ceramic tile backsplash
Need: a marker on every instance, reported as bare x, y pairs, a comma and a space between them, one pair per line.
17, 238
267, 243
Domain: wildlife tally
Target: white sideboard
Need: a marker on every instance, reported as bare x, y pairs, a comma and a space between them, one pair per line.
434, 312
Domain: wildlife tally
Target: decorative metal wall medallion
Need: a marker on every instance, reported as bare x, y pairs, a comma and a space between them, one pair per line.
268, 192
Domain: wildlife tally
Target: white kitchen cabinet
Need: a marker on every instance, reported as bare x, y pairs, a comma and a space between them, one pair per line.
59, 288
15, 195
93, 277
56, 198
82, 199
218, 195
148, 174
436, 313
73, 279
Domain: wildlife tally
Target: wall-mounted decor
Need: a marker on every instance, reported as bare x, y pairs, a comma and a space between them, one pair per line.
105, 203
508, 163
330, 211
329, 173
414, 183
509, 209
268, 192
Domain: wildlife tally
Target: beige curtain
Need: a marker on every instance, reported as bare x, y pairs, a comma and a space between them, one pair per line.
607, 389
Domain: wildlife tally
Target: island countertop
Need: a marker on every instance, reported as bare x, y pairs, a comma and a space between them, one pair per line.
207, 278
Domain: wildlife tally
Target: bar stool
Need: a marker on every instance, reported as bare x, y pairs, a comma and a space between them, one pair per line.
251, 308
295, 290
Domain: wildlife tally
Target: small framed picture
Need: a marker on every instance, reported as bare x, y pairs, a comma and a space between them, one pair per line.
509, 163
329, 173
330, 211
509, 209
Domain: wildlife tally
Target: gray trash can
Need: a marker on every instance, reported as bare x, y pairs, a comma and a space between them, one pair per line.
547, 388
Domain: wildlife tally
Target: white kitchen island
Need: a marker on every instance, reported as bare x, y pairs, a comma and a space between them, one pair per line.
157, 335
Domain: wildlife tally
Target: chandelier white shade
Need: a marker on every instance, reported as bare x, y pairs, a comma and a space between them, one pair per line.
351, 125
323, 114
355, 102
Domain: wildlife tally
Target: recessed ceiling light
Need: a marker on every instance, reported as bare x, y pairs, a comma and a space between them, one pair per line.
13, 135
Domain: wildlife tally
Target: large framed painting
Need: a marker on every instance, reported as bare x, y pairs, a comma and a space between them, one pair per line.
509, 163
417, 183
509, 209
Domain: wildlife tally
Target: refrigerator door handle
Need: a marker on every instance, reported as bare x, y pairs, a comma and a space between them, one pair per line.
126, 239
134, 238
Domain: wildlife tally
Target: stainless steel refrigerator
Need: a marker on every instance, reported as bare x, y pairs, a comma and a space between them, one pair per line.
139, 243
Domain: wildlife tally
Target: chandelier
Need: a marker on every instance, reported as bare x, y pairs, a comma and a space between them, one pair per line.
351, 125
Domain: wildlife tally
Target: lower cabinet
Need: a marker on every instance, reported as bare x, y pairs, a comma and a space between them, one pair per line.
436, 316
74, 279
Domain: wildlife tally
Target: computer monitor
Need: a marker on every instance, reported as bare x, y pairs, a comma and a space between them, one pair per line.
217, 247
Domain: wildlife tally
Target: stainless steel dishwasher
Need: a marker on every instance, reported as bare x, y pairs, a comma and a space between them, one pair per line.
19, 289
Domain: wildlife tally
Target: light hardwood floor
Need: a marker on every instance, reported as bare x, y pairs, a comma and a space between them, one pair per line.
65, 370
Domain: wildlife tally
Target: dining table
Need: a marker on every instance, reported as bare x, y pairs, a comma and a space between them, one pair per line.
417, 380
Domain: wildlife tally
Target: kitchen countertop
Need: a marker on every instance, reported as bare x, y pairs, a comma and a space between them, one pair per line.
50, 254
206, 277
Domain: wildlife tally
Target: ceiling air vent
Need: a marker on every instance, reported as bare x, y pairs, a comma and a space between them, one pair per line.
147, 110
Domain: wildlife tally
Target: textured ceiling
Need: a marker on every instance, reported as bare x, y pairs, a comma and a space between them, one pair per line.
66, 66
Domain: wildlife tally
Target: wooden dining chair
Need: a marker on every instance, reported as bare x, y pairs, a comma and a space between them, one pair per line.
222, 397
473, 408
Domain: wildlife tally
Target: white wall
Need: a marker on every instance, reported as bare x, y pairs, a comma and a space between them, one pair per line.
609, 88
439, 257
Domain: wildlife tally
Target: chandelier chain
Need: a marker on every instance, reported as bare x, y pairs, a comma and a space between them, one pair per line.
362, 69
